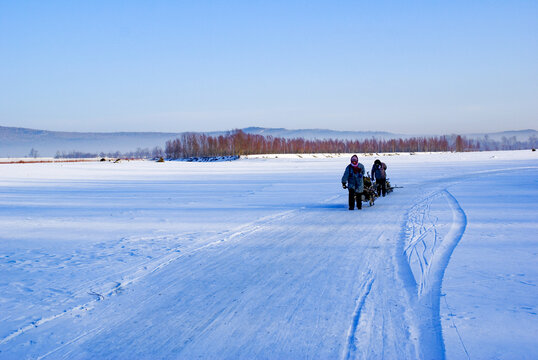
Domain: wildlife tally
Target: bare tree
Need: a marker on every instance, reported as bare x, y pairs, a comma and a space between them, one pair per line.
33, 153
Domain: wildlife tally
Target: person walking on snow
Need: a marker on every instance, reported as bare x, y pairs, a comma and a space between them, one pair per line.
380, 176
353, 182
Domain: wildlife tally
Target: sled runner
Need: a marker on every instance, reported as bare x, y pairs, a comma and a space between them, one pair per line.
391, 188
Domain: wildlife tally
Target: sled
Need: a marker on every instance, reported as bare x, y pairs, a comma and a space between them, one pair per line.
388, 187
369, 194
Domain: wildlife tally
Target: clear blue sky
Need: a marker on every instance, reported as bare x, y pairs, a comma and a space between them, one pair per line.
425, 67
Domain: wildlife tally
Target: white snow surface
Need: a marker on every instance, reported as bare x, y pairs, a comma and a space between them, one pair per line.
260, 258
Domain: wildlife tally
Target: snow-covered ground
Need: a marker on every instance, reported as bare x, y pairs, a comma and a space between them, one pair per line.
260, 259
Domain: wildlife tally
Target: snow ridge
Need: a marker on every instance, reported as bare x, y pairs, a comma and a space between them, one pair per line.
426, 249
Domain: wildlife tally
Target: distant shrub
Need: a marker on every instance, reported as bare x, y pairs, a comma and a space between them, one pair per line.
74, 155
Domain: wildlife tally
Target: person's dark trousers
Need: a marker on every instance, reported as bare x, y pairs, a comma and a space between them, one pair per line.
381, 188
353, 199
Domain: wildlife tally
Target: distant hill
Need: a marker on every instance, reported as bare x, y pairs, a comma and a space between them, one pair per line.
17, 142
520, 135
323, 134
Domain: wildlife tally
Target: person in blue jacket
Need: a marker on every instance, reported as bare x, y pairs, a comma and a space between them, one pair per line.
353, 182
380, 176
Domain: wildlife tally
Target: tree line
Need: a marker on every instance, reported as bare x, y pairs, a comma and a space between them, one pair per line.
238, 143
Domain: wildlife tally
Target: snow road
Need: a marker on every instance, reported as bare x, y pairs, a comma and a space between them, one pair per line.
260, 258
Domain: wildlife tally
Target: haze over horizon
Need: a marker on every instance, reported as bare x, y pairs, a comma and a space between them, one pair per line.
259, 129
421, 68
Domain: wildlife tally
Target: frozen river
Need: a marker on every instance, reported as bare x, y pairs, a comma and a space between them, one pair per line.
260, 258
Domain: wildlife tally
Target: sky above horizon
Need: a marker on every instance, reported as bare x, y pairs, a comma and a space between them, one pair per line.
419, 67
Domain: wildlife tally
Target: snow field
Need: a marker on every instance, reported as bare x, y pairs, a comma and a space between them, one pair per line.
260, 258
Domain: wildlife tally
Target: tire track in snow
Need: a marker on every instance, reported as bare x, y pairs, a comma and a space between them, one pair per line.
147, 269
424, 286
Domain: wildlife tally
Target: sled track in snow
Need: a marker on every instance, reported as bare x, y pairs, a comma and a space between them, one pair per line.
238, 233
350, 347
144, 269
434, 260
425, 254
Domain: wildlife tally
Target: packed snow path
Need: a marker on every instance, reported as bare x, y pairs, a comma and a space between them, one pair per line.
250, 264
